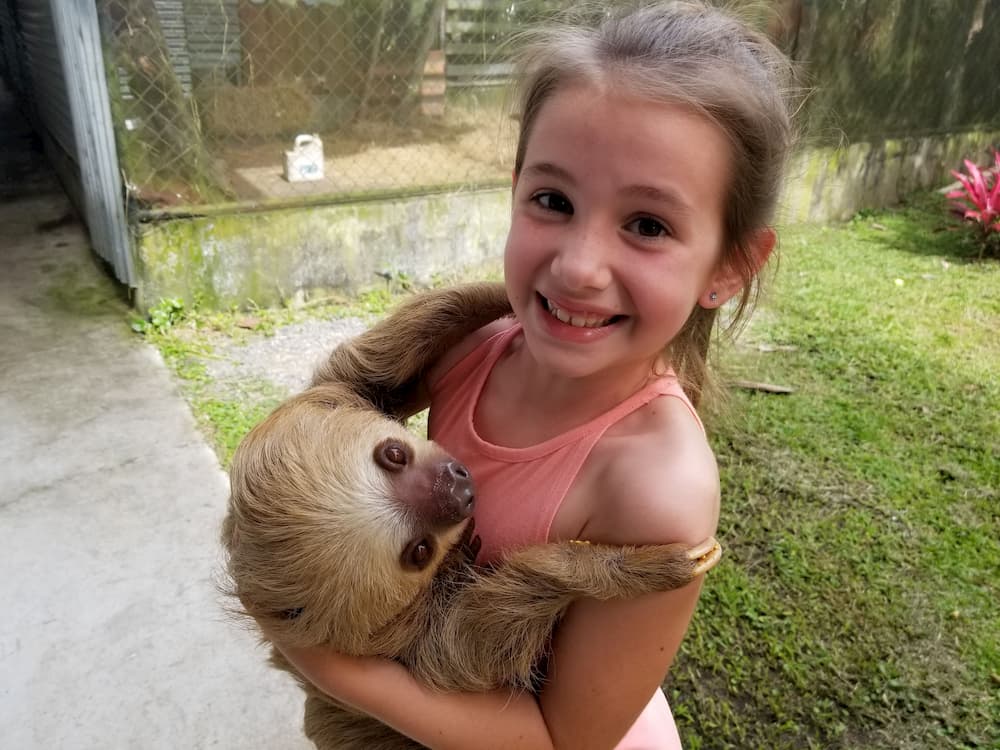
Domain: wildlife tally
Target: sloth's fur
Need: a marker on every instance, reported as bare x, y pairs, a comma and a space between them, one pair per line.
318, 532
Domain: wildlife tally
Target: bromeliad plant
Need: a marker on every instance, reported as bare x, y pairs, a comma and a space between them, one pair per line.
978, 201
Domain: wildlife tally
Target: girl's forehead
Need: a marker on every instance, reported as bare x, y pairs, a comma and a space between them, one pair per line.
586, 121
598, 107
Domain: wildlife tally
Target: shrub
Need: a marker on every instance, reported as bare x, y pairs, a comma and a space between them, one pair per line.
162, 317
978, 201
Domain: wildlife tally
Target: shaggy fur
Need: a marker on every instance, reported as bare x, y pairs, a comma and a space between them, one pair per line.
347, 531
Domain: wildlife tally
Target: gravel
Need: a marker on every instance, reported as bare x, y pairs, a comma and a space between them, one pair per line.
285, 359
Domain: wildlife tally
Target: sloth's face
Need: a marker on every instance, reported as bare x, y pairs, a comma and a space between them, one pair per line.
339, 519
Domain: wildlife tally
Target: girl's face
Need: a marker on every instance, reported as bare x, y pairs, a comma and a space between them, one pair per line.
616, 231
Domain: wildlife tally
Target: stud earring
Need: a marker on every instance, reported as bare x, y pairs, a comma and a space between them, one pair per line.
713, 297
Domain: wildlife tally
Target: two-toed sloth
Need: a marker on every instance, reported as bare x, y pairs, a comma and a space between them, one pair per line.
347, 531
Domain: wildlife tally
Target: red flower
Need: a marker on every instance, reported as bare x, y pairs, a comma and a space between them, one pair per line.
978, 200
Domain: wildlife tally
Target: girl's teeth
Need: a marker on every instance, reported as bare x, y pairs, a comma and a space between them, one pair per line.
578, 321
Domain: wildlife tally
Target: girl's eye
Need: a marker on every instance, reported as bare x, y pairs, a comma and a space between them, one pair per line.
553, 202
646, 226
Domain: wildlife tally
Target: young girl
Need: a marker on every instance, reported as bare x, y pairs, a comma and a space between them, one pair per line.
648, 165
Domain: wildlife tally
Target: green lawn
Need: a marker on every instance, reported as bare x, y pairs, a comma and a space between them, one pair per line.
857, 605
857, 602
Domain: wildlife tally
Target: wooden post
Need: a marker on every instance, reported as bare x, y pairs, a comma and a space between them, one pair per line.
433, 85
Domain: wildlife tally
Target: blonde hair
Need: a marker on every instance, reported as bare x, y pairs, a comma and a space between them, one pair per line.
700, 57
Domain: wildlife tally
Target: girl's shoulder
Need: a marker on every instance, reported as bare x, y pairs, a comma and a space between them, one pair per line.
656, 480
465, 347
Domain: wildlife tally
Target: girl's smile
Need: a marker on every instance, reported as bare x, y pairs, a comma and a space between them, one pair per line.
577, 324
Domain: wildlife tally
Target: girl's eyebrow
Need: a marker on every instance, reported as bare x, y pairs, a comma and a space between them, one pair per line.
551, 170
669, 197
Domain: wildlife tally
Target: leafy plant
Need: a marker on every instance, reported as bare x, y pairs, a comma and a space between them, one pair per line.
162, 316
978, 201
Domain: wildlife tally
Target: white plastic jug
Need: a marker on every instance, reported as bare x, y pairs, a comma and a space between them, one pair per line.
305, 161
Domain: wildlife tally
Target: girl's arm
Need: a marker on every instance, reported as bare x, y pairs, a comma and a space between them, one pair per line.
385, 690
608, 659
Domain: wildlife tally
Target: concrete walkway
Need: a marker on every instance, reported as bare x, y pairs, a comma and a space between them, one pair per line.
112, 633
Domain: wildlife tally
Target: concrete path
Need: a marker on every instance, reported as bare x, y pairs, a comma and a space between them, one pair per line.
112, 632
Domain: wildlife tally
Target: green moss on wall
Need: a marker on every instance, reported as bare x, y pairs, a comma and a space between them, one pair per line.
284, 256
835, 183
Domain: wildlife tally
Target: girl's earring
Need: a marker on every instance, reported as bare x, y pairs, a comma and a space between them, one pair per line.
713, 297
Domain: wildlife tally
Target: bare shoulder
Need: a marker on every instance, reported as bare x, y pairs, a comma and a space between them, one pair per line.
465, 347
657, 481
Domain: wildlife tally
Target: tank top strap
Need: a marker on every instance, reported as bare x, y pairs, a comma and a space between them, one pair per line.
477, 364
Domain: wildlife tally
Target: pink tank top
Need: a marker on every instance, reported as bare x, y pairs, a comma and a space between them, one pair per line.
508, 517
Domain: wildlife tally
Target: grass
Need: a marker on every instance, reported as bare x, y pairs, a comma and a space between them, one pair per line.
856, 604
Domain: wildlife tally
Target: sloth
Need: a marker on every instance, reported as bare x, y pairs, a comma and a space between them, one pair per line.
347, 531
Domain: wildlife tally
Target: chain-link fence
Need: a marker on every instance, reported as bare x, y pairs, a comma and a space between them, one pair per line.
220, 100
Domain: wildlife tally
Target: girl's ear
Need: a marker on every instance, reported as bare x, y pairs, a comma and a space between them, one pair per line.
727, 279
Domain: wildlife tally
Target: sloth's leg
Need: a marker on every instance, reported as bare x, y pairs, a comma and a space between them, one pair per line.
333, 727
385, 363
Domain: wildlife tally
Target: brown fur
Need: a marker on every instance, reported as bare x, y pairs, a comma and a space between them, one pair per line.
321, 523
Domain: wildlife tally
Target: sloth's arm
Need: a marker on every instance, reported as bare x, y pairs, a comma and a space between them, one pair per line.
386, 364
496, 627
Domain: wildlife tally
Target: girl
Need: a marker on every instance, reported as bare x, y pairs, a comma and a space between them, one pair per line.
648, 165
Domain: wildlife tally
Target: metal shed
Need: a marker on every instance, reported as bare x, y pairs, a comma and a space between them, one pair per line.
52, 58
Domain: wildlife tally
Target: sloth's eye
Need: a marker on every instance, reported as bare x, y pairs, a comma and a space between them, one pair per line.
418, 554
392, 455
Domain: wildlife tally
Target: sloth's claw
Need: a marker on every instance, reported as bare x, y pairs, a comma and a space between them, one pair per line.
470, 543
474, 546
705, 556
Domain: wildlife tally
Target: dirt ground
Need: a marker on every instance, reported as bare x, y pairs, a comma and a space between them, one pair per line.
467, 147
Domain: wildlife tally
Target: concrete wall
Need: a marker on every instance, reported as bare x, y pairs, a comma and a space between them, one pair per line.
273, 257
833, 184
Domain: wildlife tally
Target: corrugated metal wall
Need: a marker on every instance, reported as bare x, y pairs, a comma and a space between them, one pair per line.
213, 41
171, 14
203, 38
10, 60
63, 68
47, 90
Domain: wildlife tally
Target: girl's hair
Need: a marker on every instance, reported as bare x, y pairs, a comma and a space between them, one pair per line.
692, 54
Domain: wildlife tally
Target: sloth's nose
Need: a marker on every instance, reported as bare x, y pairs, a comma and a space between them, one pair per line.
462, 496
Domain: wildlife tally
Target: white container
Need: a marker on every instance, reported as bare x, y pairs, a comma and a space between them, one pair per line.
304, 163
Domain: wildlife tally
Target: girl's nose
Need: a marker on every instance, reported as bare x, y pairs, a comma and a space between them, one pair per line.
582, 261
